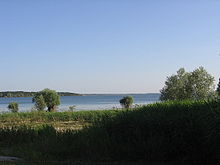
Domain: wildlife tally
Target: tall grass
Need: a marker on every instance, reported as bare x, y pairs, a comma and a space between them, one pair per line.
181, 131
9, 119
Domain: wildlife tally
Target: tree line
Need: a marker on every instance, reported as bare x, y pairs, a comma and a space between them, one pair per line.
31, 94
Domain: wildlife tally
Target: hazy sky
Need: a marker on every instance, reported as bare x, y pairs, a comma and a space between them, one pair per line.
105, 46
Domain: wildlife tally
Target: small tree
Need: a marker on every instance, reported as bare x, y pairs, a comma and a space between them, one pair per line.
51, 98
39, 102
13, 107
218, 88
126, 102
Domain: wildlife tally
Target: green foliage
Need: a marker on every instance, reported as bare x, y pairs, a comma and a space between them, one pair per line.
31, 94
126, 102
44, 117
13, 107
169, 131
51, 98
184, 85
218, 88
16, 94
40, 103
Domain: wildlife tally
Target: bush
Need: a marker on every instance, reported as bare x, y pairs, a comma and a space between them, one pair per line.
126, 102
13, 107
166, 131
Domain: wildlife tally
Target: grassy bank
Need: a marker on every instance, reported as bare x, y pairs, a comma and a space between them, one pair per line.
59, 120
187, 132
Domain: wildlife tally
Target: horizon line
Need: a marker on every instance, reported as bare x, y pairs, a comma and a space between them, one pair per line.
93, 93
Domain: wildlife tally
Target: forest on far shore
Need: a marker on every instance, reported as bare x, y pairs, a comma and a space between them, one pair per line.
31, 94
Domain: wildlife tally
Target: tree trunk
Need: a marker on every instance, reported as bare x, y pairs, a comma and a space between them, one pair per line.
51, 109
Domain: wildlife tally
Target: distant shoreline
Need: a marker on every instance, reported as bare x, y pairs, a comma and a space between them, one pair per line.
14, 94
121, 94
10, 94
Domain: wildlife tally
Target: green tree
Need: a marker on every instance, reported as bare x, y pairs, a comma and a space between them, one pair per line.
13, 107
218, 88
195, 85
39, 102
126, 102
51, 98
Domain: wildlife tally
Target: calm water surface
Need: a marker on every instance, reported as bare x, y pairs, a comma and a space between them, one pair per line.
87, 102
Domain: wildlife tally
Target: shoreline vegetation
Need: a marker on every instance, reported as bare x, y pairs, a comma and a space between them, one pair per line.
185, 132
9, 94
182, 129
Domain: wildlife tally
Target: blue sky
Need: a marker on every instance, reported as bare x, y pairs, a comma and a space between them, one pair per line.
105, 46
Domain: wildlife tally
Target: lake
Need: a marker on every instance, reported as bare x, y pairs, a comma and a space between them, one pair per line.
87, 102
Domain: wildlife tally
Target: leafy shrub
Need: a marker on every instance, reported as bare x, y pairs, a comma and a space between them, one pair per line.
126, 102
13, 107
